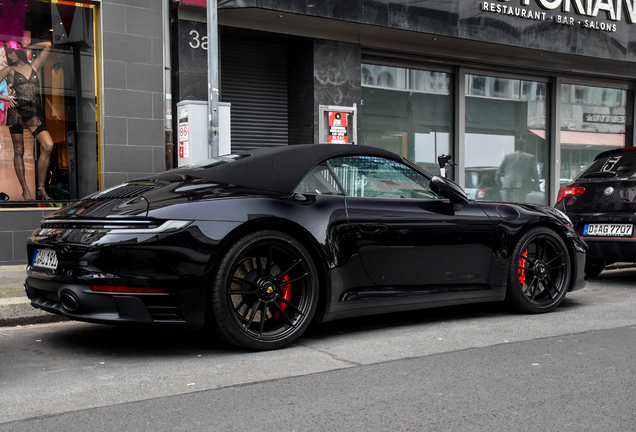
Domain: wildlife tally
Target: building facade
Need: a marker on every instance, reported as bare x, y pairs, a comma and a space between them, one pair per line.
480, 80
101, 91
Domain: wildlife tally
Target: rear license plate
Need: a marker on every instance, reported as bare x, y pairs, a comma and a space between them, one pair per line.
45, 258
608, 230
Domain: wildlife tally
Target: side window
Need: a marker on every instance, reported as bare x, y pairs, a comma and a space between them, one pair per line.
376, 177
319, 181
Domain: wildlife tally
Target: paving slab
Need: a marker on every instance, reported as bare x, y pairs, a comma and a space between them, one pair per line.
15, 307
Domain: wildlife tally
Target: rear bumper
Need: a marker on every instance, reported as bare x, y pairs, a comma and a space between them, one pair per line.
611, 249
78, 302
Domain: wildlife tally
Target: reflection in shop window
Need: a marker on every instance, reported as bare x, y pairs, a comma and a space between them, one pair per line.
505, 147
594, 96
413, 120
612, 97
384, 76
504, 88
593, 120
427, 81
477, 86
580, 94
43, 102
533, 90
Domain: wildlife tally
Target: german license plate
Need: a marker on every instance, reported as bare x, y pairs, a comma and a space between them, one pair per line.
45, 258
608, 230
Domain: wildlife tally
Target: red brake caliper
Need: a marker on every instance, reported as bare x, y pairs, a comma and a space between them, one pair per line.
522, 271
285, 292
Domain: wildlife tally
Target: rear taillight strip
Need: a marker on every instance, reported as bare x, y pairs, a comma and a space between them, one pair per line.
125, 289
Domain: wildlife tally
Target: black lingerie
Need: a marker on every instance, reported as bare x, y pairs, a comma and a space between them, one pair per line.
28, 110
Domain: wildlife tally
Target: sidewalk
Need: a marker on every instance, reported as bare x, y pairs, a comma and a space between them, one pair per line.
15, 307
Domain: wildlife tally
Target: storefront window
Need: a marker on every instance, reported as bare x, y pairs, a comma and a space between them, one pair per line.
593, 119
384, 76
409, 114
47, 100
506, 153
430, 82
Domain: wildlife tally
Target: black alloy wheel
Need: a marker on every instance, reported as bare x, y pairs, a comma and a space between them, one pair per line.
540, 272
265, 292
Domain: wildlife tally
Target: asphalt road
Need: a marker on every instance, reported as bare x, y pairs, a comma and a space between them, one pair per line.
453, 369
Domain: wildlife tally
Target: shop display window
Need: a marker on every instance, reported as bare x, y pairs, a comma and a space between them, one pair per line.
506, 149
506, 152
47, 100
593, 120
409, 113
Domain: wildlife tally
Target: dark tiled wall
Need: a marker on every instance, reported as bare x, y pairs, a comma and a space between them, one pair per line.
15, 228
133, 89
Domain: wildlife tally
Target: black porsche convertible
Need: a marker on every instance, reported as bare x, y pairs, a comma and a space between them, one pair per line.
263, 243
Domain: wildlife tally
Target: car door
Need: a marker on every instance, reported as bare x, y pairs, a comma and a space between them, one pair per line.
406, 235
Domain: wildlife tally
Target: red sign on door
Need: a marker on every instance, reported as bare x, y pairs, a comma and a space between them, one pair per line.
338, 128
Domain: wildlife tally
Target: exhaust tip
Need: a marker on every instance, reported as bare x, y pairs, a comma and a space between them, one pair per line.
69, 301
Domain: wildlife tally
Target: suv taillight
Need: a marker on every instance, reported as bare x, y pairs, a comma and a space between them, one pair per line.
569, 191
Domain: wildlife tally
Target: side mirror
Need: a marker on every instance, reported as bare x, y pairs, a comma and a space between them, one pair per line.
448, 189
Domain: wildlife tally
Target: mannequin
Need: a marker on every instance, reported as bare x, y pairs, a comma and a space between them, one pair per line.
26, 111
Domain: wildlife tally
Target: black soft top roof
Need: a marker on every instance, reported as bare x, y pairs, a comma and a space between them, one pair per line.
279, 169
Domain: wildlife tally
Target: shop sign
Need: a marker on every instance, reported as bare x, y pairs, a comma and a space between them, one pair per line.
602, 15
603, 118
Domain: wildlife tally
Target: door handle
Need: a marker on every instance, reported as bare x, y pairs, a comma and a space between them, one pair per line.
371, 227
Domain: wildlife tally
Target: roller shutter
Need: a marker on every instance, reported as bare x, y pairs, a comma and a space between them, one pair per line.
254, 81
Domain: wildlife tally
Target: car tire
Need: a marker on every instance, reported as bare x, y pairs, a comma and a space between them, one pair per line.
540, 272
266, 306
594, 268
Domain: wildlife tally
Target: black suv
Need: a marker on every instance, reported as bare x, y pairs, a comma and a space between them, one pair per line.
601, 203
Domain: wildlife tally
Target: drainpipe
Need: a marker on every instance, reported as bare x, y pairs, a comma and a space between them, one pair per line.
167, 83
213, 78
